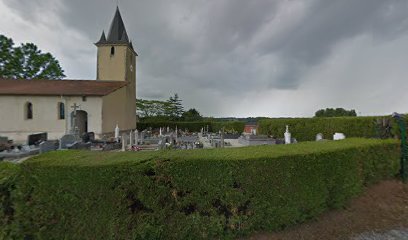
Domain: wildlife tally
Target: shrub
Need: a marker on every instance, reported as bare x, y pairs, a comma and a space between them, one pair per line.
305, 129
193, 194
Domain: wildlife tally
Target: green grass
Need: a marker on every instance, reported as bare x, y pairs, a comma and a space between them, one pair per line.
87, 158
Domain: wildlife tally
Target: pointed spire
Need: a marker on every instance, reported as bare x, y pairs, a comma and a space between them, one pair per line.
117, 31
103, 38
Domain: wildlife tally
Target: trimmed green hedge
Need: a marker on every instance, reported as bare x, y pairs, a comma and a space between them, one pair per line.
230, 126
190, 194
305, 129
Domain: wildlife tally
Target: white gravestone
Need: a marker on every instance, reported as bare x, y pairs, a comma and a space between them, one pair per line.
319, 137
136, 137
124, 142
287, 135
339, 136
117, 133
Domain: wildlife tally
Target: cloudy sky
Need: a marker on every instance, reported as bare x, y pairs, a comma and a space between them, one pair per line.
237, 57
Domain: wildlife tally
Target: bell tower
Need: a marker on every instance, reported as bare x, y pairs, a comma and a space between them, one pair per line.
116, 60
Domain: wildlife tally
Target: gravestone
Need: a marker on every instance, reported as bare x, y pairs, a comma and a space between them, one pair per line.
136, 137
48, 146
35, 139
319, 137
287, 135
80, 145
67, 140
124, 142
339, 136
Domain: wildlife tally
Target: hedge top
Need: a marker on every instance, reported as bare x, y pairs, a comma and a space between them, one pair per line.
95, 159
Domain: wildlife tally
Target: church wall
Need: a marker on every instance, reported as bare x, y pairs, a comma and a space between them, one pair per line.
117, 109
13, 122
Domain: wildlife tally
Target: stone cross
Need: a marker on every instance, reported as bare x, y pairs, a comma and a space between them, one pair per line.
74, 128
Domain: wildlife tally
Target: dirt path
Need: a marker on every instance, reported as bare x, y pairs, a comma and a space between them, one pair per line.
381, 208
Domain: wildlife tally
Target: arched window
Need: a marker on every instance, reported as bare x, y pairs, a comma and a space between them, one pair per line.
28, 110
61, 110
112, 50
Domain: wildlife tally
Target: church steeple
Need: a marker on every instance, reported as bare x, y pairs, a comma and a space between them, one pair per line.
116, 58
117, 30
102, 40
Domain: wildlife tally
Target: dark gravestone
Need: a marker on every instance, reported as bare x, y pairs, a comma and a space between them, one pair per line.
35, 139
48, 146
67, 140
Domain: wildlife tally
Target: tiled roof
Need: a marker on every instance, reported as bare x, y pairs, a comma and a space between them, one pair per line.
59, 87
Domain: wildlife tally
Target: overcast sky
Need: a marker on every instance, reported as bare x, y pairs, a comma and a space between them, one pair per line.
237, 57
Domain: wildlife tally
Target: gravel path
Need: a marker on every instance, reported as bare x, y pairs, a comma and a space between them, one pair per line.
401, 234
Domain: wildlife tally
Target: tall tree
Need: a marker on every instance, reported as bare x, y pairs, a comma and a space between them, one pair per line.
192, 115
27, 61
175, 107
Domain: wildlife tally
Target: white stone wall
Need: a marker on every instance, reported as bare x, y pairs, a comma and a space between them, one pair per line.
13, 122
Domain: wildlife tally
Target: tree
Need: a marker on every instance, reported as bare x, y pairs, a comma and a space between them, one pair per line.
175, 108
27, 62
191, 115
338, 112
151, 108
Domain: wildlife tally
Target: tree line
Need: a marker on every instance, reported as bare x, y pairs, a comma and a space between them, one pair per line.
168, 110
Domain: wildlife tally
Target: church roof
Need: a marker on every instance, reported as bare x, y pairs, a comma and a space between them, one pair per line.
117, 32
59, 87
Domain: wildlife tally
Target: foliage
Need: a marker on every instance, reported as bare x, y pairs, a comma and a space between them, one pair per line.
338, 112
174, 108
191, 115
197, 194
27, 62
151, 108
156, 110
305, 129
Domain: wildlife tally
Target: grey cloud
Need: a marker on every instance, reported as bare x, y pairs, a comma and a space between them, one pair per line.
228, 48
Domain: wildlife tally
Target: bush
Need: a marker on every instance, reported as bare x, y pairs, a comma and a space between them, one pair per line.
305, 129
193, 194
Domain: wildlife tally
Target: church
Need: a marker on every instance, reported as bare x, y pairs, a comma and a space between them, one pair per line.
58, 107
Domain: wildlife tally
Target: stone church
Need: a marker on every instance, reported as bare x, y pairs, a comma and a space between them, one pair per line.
56, 106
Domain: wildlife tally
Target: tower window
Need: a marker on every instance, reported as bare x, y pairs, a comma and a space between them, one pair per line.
112, 50
61, 110
28, 110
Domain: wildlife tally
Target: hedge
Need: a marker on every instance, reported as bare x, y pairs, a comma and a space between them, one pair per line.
229, 126
190, 194
305, 129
